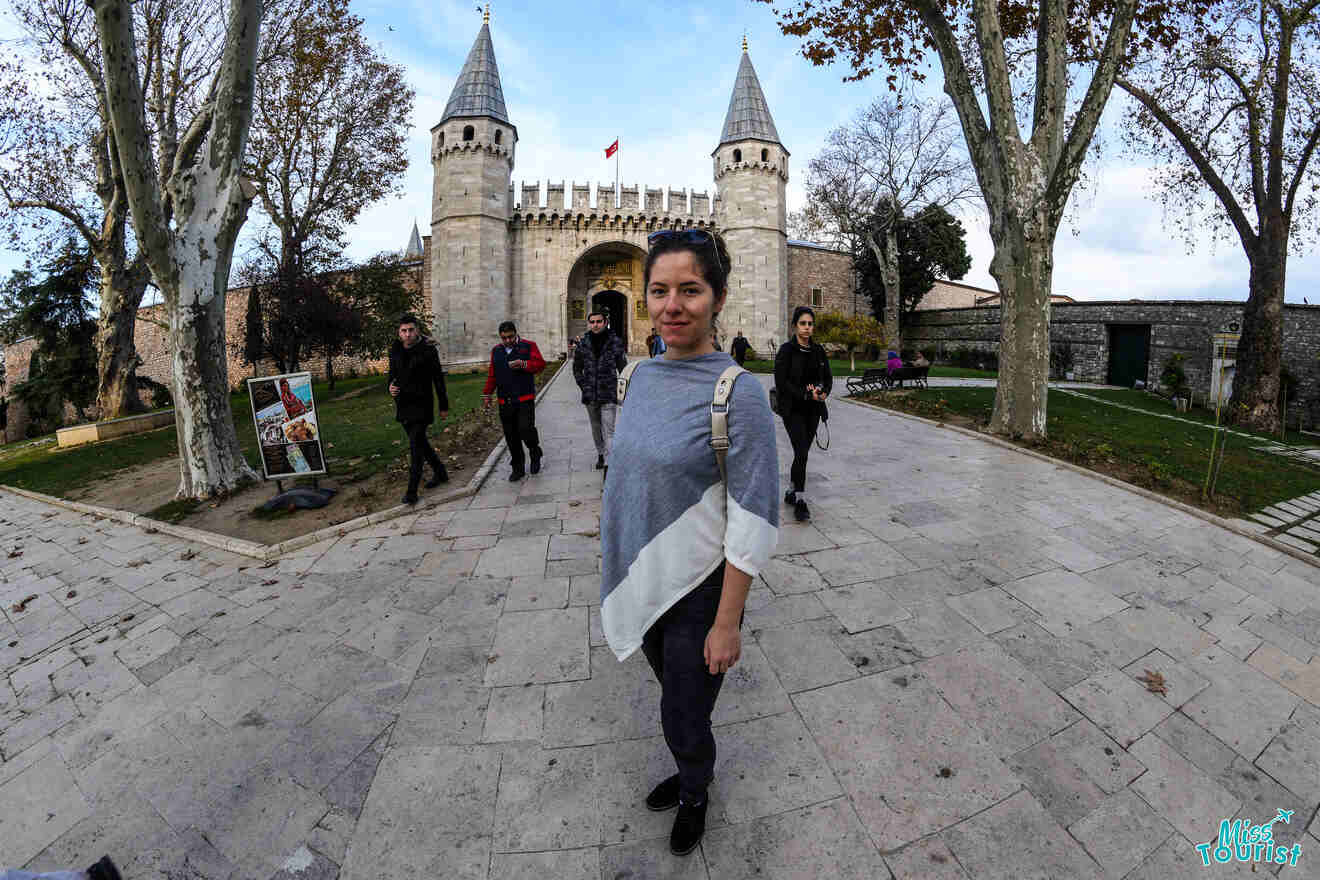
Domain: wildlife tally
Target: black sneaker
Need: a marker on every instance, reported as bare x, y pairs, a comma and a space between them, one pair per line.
442, 477
800, 512
410, 498
664, 796
600, 462
689, 826
104, 870
536, 462
516, 476
790, 496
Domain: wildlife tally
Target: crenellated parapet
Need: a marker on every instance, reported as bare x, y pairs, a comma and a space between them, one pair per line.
635, 205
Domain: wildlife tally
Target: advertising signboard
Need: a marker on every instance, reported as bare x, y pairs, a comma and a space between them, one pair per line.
287, 431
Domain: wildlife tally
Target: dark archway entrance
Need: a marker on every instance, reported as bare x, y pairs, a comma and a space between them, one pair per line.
615, 307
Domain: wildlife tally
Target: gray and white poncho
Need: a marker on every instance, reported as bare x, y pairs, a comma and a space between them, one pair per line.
667, 520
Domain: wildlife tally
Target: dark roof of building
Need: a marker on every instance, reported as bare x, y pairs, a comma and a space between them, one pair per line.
477, 91
749, 116
817, 246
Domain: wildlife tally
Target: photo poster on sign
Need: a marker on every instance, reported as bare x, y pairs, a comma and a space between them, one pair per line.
288, 435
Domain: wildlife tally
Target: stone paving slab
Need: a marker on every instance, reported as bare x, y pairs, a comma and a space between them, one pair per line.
939, 680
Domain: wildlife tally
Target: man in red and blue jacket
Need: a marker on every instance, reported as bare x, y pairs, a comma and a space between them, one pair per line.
513, 364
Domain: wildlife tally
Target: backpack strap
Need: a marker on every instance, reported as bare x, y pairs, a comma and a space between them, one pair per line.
624, 375
719, 418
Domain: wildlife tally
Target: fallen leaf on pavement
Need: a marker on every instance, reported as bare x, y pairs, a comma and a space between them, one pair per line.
1154, 682
20, 607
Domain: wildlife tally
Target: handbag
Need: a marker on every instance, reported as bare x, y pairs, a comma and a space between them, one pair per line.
774, 400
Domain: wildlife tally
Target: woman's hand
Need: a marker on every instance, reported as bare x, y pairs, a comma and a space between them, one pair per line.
723, 648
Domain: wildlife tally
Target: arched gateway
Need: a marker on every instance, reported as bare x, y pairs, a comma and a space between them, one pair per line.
543, 256
608, 277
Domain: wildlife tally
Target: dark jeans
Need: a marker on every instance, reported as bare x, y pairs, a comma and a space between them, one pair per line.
519, 423
675, 647
801, 426
419, 448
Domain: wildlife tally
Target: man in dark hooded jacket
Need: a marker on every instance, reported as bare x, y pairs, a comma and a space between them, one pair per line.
596, 365
414, 370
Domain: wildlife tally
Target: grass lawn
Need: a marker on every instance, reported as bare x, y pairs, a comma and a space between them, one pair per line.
356, 419
1167, 456
842, 367
1156, 404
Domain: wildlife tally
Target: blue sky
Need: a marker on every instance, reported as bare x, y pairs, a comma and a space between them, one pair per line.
578, 74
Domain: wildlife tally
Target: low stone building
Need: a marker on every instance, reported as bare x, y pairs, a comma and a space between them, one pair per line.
1120, 342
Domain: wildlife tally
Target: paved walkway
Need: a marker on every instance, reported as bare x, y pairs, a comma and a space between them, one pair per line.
941, 678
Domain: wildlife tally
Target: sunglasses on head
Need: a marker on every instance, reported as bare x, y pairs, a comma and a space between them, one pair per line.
687, 236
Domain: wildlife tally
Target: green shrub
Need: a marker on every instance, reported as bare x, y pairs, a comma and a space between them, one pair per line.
1174, 375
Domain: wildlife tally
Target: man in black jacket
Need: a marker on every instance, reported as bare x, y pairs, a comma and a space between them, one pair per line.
414, 370
596, 364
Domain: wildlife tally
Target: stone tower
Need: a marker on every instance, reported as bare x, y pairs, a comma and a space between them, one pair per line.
472, 152
751, 175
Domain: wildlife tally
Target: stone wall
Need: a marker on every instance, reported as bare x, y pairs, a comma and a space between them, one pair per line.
1175, 327
17, 359
816, 266
951, 295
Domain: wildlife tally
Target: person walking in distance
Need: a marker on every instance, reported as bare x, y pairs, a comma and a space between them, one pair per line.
513, 364
738, 348
414, 370
803, 380
596, 365
697, 517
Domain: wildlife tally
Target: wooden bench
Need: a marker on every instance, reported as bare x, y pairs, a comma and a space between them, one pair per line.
870, 380
915, 375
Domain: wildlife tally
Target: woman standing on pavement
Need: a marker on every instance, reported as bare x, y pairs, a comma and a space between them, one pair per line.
803, 380
680, 544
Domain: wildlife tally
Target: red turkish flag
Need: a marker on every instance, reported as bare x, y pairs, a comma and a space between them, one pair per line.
612, 148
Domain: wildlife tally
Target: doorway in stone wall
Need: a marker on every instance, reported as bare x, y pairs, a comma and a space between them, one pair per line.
615, 307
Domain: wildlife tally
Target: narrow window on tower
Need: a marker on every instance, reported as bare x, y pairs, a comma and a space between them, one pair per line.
737, 155
765, 155
468, 132
498, 135
817, 297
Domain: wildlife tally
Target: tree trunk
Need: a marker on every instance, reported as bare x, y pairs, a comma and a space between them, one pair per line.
852, 360
893, 293
210, 460
116, 354
1256, 381
1024, 266
330, 371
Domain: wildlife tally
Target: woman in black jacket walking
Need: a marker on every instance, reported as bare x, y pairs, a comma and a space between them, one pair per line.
803, 381
414, 370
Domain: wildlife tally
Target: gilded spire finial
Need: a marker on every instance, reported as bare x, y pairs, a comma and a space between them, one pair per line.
485, 18
744, 41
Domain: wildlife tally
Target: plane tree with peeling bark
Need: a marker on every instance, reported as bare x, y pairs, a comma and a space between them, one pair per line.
1014, 70
1233, 110
188, 199
893, 159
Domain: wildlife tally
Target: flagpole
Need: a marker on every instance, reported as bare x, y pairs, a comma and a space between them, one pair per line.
618, 193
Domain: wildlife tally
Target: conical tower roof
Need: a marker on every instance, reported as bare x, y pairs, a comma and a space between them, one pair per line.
749, 116
477, 91
414, 248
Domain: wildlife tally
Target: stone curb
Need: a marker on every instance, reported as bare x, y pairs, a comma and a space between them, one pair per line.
266, 552
1197, 512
